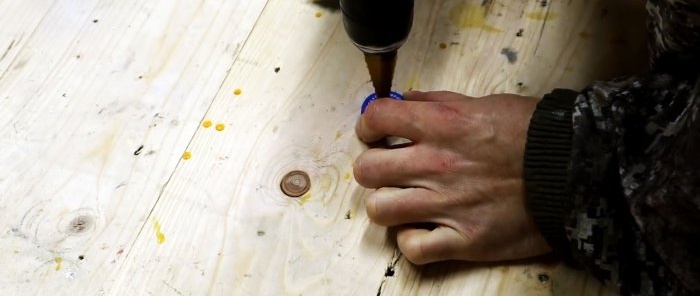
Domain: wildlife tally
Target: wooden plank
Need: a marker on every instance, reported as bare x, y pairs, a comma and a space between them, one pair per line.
222, 226
19, 19
94, 110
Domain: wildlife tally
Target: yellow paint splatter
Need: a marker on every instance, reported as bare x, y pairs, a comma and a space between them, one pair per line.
58, 260
305, 198
471, 16
541, 16
220, 127
413, 82
318, 14
160, 236
347, 176
338, 135
187, 155
237, 92
207, 124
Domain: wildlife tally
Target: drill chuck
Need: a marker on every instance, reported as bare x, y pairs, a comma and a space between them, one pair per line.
377, 26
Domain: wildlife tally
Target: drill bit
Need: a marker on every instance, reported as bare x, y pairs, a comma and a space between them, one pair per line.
381, 71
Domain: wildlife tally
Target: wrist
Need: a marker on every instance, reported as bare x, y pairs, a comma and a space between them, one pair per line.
546, 167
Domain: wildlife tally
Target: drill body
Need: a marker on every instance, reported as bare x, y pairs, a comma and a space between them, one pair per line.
378, 28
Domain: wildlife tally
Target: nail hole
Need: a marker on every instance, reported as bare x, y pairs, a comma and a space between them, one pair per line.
81, 257
295, 184
543, 277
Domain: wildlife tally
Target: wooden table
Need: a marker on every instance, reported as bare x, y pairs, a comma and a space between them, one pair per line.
143, 142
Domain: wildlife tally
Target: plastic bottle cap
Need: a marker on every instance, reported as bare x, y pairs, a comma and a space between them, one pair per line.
394, 95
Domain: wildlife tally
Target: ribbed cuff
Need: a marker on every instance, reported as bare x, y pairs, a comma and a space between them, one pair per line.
546, 171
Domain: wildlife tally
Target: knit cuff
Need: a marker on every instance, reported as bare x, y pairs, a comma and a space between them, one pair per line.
546, 171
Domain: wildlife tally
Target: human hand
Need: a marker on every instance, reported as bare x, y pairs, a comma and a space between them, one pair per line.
462, 175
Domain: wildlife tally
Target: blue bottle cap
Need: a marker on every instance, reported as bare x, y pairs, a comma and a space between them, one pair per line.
394, 95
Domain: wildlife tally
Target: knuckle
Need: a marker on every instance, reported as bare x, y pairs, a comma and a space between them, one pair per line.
444, 163
447, 112
450, 121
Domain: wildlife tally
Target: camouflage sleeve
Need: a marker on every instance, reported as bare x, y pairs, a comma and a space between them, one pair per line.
628, 190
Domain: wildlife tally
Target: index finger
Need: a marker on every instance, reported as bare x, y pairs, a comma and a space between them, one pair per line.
387, 117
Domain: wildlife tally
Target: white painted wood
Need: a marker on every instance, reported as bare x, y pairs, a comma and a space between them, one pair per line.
152, 72
232, 232
91, 83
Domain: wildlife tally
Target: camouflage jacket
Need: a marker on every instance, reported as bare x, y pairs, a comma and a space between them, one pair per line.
612, 172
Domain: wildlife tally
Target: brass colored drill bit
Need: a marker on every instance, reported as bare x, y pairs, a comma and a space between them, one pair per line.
381, 71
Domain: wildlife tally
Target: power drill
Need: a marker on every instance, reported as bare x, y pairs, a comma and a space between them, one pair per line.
378, 28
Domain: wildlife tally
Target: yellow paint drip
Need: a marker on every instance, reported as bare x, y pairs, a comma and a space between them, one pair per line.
58, 260
471, 16
187, 155
237, 92
413, 82
541, 16
160, 236
347, 176
338, 135
220, 127
318, 14
305, 198
207, 124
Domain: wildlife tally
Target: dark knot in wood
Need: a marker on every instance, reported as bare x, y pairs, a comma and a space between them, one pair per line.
295, 183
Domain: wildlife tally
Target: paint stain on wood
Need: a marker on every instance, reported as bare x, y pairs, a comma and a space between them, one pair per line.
304, 199
442, 45
138, 150
58, 261
187, 155
237, 92
207, 124
541, 16
471, 16
160, 236
338, 135
318, 14
510, 54
347, 176
220, 127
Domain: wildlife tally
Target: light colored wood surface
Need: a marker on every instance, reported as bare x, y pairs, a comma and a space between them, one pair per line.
86, 83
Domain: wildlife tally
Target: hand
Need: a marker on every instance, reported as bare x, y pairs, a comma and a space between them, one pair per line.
462, 176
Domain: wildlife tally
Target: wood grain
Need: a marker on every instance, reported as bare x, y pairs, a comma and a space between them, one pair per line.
86, 85
100, 100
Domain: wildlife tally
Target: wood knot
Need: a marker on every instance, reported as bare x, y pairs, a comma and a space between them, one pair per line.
295, 184
81, 224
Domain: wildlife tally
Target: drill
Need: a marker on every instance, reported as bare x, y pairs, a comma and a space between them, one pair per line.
378, 28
